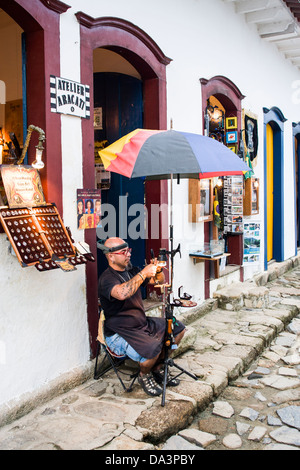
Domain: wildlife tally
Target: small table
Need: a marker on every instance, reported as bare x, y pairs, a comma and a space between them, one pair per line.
215, 259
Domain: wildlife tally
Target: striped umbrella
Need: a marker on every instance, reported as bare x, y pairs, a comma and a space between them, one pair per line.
158, 154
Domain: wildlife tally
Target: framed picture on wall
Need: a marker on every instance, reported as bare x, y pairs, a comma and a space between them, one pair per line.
200, 200
231, 137
232, 147
250, 136
206, 199
231, 123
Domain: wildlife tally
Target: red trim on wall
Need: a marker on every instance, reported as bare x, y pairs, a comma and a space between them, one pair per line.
123, 25
139, 49
56, 5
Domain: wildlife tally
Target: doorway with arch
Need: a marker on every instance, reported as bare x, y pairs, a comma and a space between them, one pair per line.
221, 99
135, 51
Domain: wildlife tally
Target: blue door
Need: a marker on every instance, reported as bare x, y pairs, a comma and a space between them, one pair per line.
297, 184
121, 99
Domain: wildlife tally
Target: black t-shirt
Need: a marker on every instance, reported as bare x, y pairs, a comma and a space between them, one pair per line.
127, 318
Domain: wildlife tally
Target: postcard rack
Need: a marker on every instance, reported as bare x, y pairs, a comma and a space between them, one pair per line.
39, 238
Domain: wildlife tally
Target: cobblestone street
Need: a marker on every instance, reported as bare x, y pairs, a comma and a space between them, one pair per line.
260, 410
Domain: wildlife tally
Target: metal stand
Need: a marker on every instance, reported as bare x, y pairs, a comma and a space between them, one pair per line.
169, 343
168, 308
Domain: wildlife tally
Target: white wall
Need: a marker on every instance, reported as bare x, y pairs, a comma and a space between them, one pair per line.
42, 325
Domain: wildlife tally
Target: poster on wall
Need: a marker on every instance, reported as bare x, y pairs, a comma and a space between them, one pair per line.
252, 233
88, 208
98, 119
233, 204
102, 177
250, 134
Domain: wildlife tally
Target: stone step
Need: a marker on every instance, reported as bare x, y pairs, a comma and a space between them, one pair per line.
242, 294
185, 314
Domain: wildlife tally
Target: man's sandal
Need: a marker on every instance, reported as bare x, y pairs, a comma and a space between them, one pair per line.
159, 377
149, 385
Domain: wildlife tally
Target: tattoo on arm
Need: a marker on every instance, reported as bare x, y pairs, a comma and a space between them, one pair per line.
127, 289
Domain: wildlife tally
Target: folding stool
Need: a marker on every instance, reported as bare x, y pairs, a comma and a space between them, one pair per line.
115, 361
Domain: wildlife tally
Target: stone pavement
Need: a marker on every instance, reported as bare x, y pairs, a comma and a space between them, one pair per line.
248, 328
258, 411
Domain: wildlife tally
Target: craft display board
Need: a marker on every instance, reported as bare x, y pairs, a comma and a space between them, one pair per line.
22, 185
34, 228
39, 237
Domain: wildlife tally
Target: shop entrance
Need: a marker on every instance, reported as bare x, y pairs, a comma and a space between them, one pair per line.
12, 104
133, 45
118, 98
26, 100
222, 112
221, 122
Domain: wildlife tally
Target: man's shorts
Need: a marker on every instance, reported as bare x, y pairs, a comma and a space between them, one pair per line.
120, 347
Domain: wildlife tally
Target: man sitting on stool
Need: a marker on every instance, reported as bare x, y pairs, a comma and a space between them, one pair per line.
128, 331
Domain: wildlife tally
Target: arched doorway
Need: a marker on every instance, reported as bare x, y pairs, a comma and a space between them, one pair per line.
134, 45
222, 93
274, 185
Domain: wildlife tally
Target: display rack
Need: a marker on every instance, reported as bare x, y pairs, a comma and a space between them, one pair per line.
38, 236
215, 259
233, 204
34, 227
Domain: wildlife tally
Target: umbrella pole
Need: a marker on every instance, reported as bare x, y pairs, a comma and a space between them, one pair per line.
171, 234
172, 252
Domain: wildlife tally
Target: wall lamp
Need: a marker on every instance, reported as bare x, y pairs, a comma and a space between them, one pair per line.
38, 163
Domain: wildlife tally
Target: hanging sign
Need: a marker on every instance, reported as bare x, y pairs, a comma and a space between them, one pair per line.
69, 97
